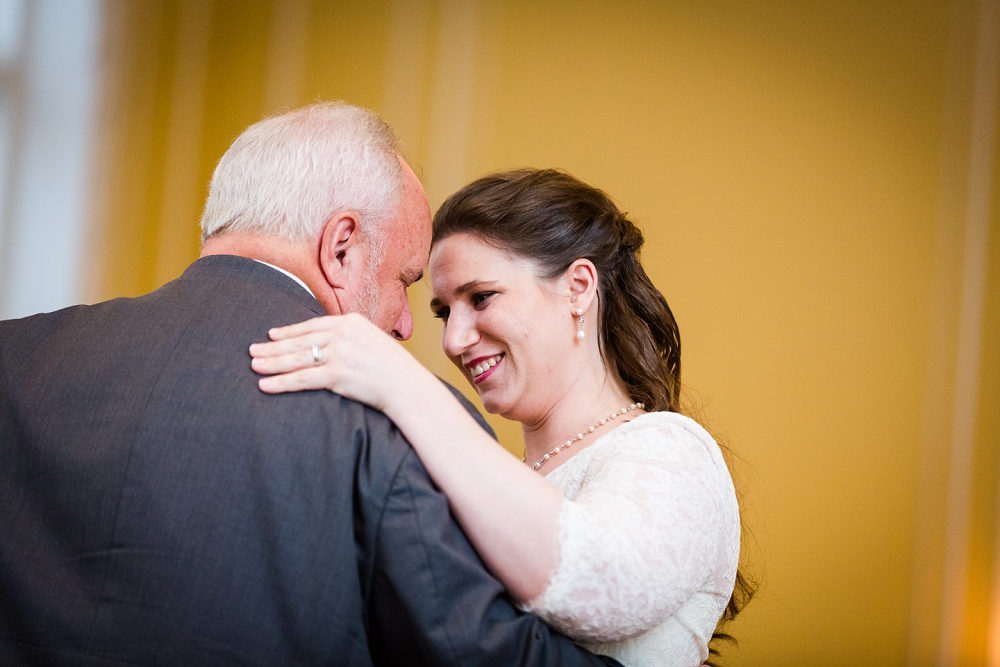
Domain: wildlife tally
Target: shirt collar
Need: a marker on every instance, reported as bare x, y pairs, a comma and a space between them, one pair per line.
290, 275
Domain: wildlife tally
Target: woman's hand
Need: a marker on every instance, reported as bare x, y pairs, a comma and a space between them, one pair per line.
355, 359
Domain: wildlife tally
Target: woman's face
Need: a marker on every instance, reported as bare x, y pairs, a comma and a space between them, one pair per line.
510, 332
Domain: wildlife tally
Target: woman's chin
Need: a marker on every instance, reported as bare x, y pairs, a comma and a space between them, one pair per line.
495, 405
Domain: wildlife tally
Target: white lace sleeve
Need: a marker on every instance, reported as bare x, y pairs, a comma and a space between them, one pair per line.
652, 518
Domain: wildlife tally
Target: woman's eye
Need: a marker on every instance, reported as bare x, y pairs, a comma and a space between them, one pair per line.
442, 313
480, 298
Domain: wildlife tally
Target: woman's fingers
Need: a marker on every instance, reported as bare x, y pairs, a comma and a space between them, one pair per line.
285, 363
300, 380
291, 345
319, 331
314, 325
352, 354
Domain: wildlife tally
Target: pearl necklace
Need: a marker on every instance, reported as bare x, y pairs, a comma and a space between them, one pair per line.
580, 436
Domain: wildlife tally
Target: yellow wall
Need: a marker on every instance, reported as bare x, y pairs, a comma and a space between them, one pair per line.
795, 168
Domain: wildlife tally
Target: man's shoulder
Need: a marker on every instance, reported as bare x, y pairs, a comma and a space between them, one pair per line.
471, 409
22, 338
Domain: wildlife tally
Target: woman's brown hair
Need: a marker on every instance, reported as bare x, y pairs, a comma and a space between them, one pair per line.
553, 219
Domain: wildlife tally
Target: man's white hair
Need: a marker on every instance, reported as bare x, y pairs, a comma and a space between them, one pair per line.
287, 175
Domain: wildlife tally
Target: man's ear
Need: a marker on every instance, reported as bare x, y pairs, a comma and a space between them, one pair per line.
338, 247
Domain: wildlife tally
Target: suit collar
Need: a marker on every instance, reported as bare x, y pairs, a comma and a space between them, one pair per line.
289, 274
252, 272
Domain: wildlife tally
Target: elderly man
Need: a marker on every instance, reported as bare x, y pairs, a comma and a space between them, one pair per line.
157, 509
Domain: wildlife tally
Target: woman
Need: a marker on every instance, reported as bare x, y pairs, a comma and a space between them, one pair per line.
623, 529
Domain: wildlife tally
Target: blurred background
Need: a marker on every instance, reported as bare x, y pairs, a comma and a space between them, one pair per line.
817, 183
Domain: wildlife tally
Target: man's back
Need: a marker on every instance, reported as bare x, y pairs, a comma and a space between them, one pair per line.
195, 500
157, 508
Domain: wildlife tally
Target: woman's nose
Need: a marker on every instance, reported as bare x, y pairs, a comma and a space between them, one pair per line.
459, 333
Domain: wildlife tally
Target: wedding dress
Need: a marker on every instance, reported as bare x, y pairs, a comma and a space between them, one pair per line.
649, 537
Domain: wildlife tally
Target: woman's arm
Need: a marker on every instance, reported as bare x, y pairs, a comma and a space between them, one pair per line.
510, 514
649, 525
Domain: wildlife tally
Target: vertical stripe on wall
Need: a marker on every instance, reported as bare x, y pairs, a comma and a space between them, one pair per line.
403, 99
452, 86
993, 632
428, 99
970, 331
403, 106
47, 223
928, 557
288, 49
181, 192
12, 28
965, 192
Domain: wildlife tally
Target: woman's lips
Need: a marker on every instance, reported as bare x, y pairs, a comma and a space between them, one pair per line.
482, 368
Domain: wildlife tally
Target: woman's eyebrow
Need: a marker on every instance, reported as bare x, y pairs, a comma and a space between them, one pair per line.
464, 289
473, 285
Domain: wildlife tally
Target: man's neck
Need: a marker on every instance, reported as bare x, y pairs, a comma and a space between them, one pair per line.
299, 259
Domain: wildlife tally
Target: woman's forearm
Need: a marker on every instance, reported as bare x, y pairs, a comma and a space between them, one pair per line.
510, 514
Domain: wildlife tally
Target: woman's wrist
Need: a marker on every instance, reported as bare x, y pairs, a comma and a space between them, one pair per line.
412, 385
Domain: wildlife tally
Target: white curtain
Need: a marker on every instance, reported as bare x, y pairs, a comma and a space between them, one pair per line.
48, 95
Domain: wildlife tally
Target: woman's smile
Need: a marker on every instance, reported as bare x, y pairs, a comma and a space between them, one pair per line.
483, 367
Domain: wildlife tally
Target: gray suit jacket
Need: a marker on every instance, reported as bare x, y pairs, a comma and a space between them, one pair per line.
157, 509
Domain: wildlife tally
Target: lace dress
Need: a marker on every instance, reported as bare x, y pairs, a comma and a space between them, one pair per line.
650, 540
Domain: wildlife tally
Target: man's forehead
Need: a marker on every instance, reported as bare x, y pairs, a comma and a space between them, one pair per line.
412, 255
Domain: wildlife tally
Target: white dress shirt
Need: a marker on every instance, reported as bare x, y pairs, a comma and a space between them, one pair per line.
290, 275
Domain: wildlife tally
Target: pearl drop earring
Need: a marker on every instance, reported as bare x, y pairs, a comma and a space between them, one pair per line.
580, 334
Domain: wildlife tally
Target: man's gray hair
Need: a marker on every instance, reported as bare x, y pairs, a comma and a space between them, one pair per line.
287, 175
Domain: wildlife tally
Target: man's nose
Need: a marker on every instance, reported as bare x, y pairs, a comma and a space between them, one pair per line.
403, 328
458, 335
